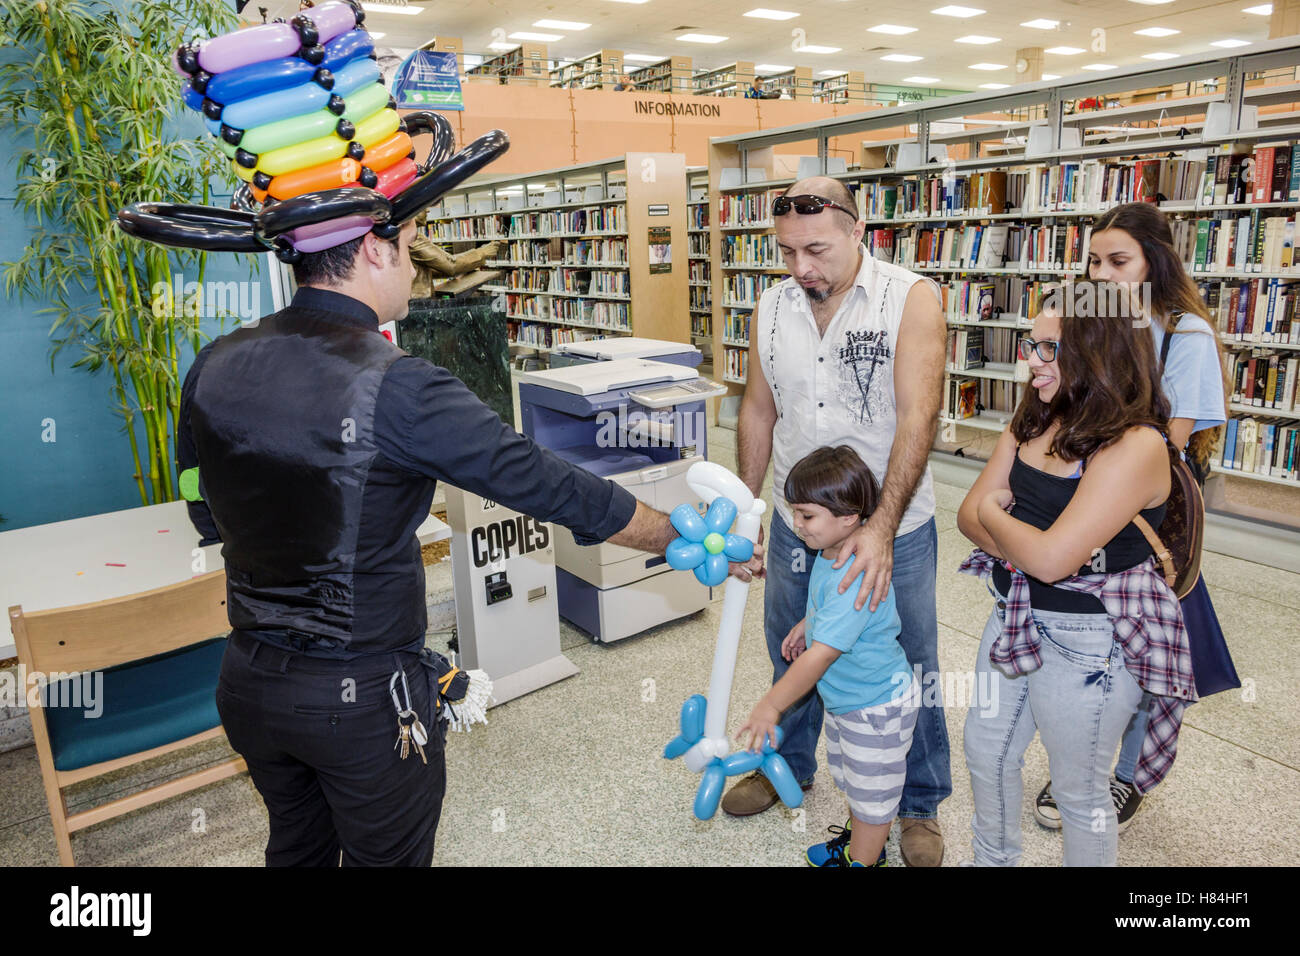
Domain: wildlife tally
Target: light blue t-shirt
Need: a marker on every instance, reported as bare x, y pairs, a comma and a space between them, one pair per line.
1193, 378
872, 667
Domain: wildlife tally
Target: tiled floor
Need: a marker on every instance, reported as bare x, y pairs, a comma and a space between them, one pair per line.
572, 773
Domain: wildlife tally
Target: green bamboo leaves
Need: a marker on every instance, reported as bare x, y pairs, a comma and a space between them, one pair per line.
88, 94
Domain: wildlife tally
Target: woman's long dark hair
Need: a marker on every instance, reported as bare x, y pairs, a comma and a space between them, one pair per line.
1106, 383
1172, 289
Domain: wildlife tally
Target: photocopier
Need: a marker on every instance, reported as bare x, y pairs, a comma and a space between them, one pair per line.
631, 410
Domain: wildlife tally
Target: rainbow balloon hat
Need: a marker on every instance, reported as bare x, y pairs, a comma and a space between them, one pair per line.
301, 110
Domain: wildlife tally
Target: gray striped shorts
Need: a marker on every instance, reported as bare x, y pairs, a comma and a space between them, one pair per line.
867, 750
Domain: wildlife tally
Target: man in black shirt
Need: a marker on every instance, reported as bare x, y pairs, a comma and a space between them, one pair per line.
318, 445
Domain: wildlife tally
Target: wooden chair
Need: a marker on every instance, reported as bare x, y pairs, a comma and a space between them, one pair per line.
153, 648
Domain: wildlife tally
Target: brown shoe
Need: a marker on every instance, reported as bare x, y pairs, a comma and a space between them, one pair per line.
752, 795
921, 842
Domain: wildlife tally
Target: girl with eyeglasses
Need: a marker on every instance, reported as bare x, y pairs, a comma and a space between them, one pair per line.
1132, 244
1082, 621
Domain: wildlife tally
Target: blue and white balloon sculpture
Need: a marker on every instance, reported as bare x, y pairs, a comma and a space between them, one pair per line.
705, 547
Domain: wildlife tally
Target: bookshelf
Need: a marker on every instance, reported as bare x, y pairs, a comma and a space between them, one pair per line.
730, 80
525, 65
797, 82
599, 70
850, 87
577, 248
743, 257
671, 75
700, 290
1010, 213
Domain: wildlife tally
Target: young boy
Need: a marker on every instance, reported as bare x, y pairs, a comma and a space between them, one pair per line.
854, 659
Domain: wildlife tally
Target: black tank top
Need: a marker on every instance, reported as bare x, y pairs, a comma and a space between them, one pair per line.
1040, 499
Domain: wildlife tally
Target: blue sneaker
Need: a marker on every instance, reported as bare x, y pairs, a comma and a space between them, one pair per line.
835, 851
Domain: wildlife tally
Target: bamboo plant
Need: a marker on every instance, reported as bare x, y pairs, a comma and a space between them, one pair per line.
91, 82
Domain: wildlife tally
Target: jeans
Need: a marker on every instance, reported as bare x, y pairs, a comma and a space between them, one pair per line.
1131, 749
318, 738
785, 602
1080, 700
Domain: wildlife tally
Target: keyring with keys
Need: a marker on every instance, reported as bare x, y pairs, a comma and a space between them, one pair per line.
409, 728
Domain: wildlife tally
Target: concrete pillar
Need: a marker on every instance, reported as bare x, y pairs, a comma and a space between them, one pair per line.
1285, 20
1033, 60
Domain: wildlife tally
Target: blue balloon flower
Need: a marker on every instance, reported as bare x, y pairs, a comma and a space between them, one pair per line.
705, 546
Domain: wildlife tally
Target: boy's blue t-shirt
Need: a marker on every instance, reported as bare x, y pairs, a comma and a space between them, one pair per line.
872, 667
1193, 376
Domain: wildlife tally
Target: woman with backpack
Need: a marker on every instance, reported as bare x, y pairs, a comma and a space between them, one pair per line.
1133, 244
1083, 621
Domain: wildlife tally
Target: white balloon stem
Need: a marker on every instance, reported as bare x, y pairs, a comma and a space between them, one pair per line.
724, 654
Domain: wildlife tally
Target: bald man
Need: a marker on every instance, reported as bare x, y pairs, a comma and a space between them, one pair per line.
849, 350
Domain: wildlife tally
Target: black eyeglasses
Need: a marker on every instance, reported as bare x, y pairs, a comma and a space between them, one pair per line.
1047, 349
808, 206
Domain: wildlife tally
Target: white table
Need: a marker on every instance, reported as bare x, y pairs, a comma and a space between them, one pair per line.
112, 555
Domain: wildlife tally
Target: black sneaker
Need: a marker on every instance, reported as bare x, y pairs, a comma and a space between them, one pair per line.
1045, 811
1124, 795
1127, 800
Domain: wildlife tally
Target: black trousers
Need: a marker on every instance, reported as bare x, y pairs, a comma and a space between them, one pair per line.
318, 738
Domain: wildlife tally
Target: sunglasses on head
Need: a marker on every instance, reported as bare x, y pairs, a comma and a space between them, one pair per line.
807, 206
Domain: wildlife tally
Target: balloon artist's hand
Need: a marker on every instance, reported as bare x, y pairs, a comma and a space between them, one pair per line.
794, 643
872, 547
761, 725
753, 568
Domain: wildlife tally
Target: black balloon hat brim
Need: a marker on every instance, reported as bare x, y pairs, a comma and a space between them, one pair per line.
248, 228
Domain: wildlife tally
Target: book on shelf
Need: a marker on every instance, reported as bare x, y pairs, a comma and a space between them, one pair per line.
742, 209
611, 251
1146, 180
1049, 246
958, 194
876, 200
1267, 447
1254, 311
529, 280
993, 247
999, 397
736, 328
746, 287
736, 364
880, 243
1263, 379
751, 249
1230, 242
1012, 297
962, 399
966, 348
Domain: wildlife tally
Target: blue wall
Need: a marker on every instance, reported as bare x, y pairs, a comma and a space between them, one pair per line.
88, 469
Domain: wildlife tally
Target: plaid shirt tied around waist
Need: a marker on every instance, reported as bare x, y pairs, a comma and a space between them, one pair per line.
1148, 623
